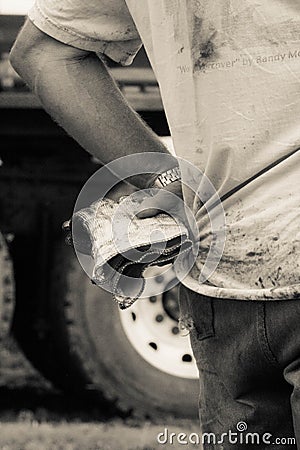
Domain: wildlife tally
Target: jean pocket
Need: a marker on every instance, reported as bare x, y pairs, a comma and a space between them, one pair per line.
197, 313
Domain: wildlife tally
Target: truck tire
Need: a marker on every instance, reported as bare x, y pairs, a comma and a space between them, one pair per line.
7, 290
118, 354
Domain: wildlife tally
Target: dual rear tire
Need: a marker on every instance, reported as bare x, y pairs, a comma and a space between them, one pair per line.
133, 359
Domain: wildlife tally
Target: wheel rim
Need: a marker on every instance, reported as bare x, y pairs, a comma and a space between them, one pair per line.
151, 327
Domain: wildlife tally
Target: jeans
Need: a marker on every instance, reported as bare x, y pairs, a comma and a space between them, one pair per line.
248, 357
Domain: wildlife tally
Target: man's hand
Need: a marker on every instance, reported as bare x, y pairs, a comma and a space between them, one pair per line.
165, 200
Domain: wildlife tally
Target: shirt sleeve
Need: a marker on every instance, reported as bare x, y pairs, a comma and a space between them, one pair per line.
100, 26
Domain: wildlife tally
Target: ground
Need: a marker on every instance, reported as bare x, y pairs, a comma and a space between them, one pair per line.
114, 435
34, 416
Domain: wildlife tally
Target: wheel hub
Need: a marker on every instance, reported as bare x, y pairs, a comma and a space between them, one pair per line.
151, 325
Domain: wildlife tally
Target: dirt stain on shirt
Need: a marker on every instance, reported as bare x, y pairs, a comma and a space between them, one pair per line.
203, 46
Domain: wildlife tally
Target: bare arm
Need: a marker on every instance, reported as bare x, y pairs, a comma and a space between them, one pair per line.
76, 89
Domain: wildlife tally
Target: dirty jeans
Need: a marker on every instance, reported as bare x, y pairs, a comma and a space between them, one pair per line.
248, 356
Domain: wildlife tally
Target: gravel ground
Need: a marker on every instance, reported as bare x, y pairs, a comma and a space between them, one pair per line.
90, 436
34, 416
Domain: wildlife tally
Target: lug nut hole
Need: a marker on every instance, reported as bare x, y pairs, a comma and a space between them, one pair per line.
153, 345
187, 358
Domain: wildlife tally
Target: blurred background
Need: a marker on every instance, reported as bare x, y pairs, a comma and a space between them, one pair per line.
67, 354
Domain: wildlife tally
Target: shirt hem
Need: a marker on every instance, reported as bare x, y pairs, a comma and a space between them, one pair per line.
280, 293
114, 50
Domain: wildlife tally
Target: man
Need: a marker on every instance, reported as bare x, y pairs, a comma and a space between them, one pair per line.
229, 74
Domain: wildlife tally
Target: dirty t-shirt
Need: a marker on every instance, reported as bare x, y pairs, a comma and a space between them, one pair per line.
101, 26
229, 74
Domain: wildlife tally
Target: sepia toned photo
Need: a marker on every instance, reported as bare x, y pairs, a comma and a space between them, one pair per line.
149, 224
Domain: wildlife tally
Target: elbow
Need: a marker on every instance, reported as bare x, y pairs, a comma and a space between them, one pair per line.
33, 47
24, 54
22, 59
21, 62
17, 57
33, 50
